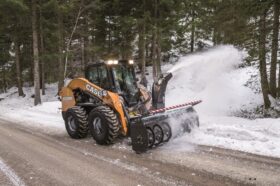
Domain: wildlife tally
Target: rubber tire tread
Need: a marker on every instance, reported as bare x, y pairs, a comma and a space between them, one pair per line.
111, 122
80, 115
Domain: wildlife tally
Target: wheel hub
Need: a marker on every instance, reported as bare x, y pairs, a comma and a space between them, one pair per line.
71, 124
97, 125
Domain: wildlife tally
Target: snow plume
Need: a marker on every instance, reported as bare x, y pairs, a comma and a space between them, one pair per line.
213, 77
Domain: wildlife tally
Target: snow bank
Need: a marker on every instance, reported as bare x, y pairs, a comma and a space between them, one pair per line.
260, 136
47, 115
213, 77
21, 109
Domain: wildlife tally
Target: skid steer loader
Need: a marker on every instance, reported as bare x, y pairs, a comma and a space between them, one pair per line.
108, 102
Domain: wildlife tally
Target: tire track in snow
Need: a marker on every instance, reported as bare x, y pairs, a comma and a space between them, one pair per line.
13, 177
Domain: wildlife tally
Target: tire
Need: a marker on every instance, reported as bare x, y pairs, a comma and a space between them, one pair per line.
76, 122
103, 125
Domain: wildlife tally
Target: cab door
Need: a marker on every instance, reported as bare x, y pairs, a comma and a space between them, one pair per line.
98, 75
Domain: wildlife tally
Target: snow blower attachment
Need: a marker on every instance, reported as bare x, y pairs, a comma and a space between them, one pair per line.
152, 130
108, 102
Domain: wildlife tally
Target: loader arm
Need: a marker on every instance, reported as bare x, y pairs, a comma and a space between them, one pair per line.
109, 98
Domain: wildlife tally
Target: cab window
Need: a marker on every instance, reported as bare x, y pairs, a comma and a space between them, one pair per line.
104, 81
93, 75
99, 76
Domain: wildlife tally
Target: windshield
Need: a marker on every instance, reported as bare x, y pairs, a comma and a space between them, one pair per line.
125, 81
124, 78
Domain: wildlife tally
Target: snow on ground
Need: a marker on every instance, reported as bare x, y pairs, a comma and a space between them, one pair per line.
260, 136
21, 109
211, 76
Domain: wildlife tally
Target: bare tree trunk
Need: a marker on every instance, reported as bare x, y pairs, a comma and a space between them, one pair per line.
262, 58
83, 54
18, 69
158, 65
61, 69
214, 36
274, 51
215, 30
70, 39
153, 53
86, 43
147, 49
142, 51
109, 37
155, 42
91, 42
273, 89
4, 79
89, 52
42, 54
88, 57
37, 98
192, 32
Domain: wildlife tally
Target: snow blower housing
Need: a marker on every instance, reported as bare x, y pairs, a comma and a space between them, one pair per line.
108, 102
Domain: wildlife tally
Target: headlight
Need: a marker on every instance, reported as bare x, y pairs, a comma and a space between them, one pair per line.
131, 62
110, 62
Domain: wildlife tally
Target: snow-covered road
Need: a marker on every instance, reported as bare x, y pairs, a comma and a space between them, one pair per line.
10, 174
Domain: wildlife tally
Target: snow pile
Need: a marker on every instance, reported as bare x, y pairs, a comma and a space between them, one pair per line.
11, 100
21, 109
260, 136
213, 77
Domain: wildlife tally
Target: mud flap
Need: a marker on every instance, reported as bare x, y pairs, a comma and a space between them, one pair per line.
139, 136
